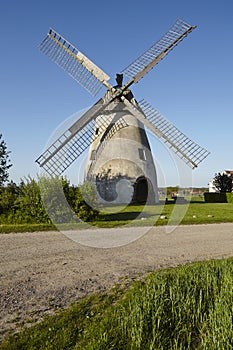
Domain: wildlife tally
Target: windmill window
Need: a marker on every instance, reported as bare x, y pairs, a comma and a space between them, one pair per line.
93, 155
142, 154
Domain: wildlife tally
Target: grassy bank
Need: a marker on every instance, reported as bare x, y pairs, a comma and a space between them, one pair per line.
136, 215
188, 307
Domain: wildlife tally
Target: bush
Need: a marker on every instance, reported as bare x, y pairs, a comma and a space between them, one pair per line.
30, 206
218, 197
229, 197
63, 201
215, 197
47, 200
53, 193
86, 202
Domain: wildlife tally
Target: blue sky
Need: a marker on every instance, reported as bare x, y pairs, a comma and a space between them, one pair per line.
192, 87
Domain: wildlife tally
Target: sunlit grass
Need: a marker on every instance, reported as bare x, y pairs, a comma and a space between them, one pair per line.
161, 214
137, 215
189, 307
7, 228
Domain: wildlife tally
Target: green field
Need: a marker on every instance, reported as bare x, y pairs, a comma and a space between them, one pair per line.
189, 307
189, 213
172, 214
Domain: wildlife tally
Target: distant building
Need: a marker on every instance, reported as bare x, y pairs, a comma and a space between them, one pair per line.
212, 188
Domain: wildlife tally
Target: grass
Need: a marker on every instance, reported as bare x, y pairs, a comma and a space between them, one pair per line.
190, 213
189, 307
7, 228
172, 214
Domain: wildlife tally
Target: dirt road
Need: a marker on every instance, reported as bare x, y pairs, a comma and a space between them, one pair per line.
43, 271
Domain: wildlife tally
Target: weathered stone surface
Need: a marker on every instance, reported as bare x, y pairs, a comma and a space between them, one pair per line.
120, 162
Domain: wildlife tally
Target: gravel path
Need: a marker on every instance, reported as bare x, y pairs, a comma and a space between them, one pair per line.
43, 271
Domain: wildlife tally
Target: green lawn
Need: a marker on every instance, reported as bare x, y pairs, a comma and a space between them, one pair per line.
189, 213
136, 215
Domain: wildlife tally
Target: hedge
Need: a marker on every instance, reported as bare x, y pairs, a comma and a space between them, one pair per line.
218, 197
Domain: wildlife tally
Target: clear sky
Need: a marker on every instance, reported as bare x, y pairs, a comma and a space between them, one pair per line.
192, 87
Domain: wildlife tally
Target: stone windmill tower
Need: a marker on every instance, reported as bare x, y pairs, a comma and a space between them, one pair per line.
120, 163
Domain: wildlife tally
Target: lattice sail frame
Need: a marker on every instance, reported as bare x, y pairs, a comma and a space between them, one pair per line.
69, 146
74, 62
177, 32
182, 145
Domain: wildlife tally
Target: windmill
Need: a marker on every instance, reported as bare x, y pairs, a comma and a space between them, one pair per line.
120, 162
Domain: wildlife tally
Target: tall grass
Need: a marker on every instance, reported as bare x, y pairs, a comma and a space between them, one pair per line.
189, 307
186, 308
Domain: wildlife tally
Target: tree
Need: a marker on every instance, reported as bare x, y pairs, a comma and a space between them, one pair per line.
54, 200
30, 208
223, 182
8, 198
4, 162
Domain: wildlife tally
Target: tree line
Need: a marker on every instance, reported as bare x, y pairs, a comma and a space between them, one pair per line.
46, 200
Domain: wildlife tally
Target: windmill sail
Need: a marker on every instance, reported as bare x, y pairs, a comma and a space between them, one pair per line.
182, 145
73, 62
70, 145
55, 160
65, 150
57, 157
143, 64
